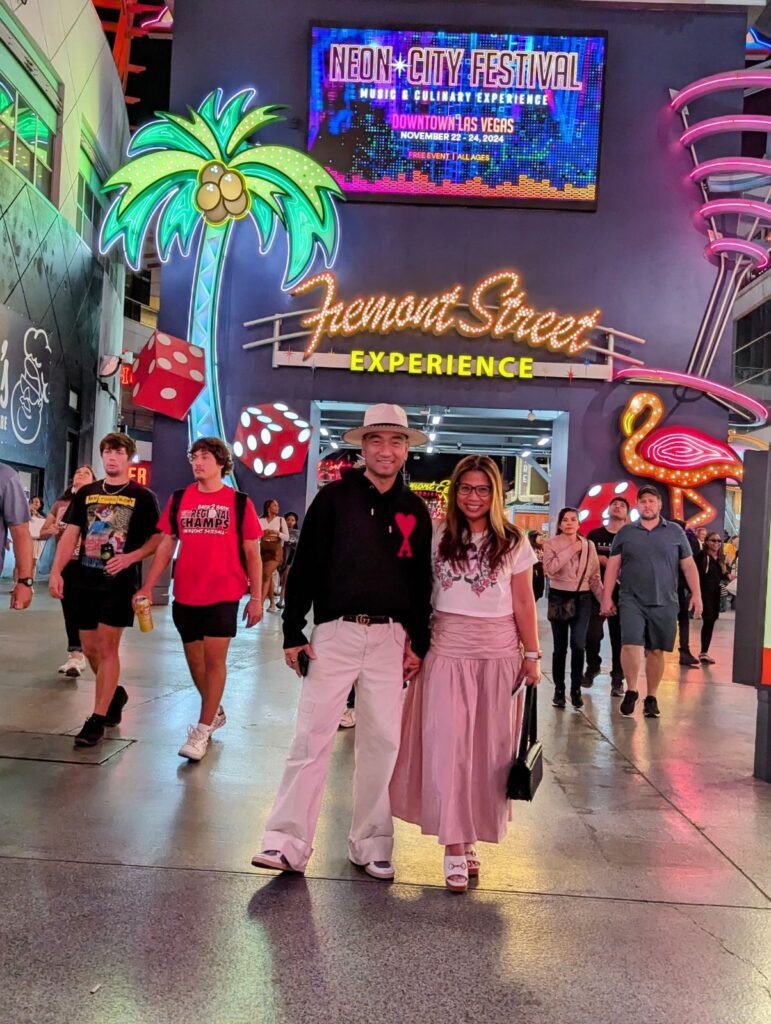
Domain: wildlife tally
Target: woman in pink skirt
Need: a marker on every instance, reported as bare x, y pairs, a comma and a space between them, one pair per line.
463, 713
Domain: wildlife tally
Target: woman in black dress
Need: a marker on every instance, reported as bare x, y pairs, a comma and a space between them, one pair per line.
712, 573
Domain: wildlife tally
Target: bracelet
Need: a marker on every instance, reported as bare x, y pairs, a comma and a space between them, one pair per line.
532, 655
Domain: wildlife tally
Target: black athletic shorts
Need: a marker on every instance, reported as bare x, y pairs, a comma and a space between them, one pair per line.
195, 621
106, 607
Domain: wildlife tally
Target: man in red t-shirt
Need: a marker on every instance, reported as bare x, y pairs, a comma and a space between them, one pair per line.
218, 561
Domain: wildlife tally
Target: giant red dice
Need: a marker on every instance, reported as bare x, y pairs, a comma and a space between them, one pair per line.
593, 511
169, 375
272, 439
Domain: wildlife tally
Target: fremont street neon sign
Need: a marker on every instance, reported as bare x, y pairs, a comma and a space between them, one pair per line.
496, 308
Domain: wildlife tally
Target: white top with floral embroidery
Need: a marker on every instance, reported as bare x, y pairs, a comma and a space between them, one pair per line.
474, 590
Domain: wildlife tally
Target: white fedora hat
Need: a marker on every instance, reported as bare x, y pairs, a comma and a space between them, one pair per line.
385, 417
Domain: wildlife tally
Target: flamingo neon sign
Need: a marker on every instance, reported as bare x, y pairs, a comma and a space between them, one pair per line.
682, 458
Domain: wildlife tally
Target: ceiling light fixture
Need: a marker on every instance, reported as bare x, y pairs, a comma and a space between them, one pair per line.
544, 441
432, 436
526, 453
334, 444
531, 416
435, 421
323, 431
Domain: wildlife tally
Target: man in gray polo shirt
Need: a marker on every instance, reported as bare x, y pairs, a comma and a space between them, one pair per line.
648, 554
14, 517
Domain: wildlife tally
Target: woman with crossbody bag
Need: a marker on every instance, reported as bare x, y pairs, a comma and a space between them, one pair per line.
573, 569
275, 533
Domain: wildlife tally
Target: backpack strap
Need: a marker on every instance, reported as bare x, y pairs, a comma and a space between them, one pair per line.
176, 501
240, 512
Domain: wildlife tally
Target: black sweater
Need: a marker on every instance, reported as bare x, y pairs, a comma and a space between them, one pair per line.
353, 558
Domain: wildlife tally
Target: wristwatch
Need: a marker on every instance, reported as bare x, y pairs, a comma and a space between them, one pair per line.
26, 581
532, 655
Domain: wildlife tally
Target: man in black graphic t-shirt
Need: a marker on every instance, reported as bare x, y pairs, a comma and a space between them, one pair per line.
602, 537
115, 523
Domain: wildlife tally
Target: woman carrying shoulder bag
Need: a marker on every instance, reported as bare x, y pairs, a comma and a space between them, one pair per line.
275, 533
573, 569
463, 713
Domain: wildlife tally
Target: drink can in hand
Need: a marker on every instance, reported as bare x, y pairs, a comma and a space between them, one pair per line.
143, 609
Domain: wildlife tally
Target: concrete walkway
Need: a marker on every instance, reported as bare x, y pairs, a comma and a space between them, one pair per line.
636, 888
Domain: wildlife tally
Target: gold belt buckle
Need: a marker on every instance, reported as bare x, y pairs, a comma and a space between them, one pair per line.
362, 620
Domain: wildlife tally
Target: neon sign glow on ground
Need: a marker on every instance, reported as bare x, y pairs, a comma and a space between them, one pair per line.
195, 176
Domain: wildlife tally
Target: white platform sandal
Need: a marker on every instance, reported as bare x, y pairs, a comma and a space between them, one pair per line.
473, 861
456, 873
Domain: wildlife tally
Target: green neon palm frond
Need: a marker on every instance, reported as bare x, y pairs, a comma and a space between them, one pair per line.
300, 193
223, 119
266, 213
253, 122
199, 127
145, 184
305, 231
131, 222
165, 134
178, 221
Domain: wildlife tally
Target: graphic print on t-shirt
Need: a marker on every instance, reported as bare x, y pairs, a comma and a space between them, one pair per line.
108, 519
477, 572
205, 518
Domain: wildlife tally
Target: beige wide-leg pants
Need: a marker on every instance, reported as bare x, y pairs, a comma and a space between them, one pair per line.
346, 653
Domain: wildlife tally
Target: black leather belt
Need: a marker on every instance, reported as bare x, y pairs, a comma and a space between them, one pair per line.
367, 620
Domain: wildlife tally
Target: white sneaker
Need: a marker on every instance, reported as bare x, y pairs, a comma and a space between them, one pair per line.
74, 665
219, 719
197, 744
348, 718
272, 607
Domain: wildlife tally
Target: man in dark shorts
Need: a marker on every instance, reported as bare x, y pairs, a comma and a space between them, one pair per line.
219, 555
648, 554
602, 538
114, 523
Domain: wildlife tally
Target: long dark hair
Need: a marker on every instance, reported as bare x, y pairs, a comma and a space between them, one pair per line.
719, 558
561, 515
69, 494
502, 536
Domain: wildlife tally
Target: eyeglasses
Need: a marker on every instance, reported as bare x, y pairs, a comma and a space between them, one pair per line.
713, 540
483, 490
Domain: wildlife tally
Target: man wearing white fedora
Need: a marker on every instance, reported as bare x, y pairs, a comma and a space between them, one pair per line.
363, 563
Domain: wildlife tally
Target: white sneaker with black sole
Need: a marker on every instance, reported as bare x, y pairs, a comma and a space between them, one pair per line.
74, 666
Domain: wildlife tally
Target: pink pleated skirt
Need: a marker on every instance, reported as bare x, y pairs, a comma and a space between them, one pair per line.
460, 729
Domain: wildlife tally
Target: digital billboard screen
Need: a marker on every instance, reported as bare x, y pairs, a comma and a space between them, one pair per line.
422, 115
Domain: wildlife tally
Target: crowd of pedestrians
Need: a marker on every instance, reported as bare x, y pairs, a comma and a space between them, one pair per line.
448, 608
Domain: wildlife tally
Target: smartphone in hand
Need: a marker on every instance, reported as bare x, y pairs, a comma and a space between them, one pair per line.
303, 663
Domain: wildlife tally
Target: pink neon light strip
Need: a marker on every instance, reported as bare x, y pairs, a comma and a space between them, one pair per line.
157, 21
754, 250
745, 79
736, 399
747, 207
727, 123
731, 165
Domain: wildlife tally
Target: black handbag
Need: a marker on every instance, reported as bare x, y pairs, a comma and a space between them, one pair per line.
526, 770
566, 609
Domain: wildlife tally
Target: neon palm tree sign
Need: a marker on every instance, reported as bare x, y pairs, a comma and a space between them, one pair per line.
196, 176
